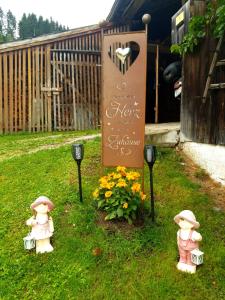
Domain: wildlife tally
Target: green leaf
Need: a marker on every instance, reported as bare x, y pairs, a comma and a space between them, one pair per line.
111, 216
100, 203
120, 212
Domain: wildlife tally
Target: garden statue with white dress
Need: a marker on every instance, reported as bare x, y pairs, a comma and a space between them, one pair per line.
42, 224
188, 242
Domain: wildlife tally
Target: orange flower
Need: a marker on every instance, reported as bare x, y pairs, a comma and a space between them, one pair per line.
143, 196
136, 187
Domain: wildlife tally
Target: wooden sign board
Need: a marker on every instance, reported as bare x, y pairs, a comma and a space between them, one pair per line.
124, 97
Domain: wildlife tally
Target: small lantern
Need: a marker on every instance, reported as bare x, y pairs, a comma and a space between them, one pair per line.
78, 152
29, 242
197, 257
150, 154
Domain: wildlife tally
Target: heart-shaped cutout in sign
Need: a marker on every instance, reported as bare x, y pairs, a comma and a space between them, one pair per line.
124, 55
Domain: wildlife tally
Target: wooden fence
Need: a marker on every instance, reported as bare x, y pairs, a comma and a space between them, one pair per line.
52, 85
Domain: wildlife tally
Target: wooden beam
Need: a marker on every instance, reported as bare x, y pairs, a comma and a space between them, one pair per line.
77, 51
217, 86
157, 85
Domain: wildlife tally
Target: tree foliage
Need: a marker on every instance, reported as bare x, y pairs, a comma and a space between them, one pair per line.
7, 26
213, 22
31, 26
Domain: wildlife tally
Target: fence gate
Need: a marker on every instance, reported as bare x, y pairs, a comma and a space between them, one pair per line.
75, 89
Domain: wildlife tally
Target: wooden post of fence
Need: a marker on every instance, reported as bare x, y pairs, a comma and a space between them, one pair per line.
1, 116
49, 94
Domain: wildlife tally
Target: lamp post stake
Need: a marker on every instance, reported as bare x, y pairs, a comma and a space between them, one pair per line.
79, 178
152, 194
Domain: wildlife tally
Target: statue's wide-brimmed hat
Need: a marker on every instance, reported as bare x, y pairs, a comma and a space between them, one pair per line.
42, 200
188, 216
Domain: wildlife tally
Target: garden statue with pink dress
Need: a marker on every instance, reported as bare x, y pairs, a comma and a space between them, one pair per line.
42, 224
188, 242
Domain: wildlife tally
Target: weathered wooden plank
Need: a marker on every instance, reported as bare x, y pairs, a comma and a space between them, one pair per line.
5, 67
84, 80
81, 110
45, 103
157, 85
19, 90
217, 86
220, 63
63, 91
37, 86
66, 90
54, 87
1, 98
29, 89
74, 96
59, 95
48, 67
16, 90
90, 110
77, 94
41, 85
33, 120
11, 104
99, 77
24, 90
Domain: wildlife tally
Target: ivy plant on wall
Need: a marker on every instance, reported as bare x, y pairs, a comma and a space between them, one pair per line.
213, 22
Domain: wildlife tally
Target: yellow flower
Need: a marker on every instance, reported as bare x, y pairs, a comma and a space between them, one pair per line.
143, 196
121, 183
119, 169
103, 179
96, 193
136, 187
117, 176
136, 175
125, 205
104, 185
108, 194
133, 175
130, 176
122, 170
111, 175
111, 185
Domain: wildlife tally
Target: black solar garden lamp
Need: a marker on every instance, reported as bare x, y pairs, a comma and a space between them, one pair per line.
150, 158
78, 155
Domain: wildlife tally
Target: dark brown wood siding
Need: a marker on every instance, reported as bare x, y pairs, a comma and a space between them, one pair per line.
203, 122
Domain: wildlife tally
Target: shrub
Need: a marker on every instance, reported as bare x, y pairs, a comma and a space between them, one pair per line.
119, 194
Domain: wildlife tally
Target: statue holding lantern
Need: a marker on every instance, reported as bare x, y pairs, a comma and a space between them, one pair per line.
188, 242
42, 226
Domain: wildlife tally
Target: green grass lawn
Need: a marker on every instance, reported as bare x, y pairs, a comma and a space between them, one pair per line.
136, 263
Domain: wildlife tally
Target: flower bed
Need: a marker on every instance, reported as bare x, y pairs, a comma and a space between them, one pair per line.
119, 194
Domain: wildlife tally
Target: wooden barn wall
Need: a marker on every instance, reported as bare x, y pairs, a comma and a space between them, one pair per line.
203, 122
55, 86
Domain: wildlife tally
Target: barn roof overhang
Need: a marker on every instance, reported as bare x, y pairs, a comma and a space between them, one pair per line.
161, 11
